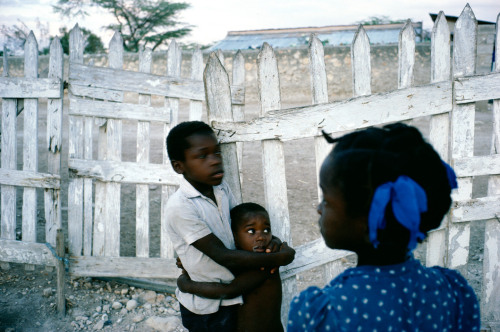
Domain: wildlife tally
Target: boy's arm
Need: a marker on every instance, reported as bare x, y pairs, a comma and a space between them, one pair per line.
242, 284
235, 260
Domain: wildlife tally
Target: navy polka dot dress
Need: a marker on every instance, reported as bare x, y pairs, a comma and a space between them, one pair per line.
402, 297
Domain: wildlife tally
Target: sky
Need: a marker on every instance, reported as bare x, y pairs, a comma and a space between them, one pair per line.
212, 19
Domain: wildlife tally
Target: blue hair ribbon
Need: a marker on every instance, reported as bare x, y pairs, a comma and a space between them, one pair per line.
408, 201
452, 177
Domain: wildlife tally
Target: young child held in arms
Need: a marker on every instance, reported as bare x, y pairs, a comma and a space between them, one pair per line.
199, 227
261, 309
383, 190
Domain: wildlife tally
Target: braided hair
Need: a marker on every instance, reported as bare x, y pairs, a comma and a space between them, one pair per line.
366, 159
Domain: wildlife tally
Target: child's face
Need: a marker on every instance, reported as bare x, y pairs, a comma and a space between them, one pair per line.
339, 230
202, 165
253, 232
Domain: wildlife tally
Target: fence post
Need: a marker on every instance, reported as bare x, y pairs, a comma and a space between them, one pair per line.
114, 153
406, 56
30, 142
174, 58
439, 131
238, 110
218, 95
490, 303
464, 56
75, 188
361, 66
143, 149
273, 162
61, 300
196, 106
54, 143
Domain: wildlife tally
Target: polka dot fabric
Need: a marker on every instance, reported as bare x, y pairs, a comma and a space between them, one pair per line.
403, 297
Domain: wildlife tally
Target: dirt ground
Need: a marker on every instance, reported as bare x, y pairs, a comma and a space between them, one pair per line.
27, 298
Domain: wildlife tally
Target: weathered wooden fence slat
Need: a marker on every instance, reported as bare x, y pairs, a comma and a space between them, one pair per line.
52, 198
89, 80
113, 153
25, 87
476, 88
361, 63
143, 147
113, 110
196, 106
406, 52
439, 130
239, 110
29, 179
477, 165
273, 163
145, 267
26, 253
462, 144
476, 209
341, 116
30, 141
490, 297
75, 150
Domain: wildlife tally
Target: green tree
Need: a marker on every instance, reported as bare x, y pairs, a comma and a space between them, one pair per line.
139, 21
93, 44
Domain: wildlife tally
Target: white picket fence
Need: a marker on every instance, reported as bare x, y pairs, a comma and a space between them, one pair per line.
98, 108
449, 99
21, 94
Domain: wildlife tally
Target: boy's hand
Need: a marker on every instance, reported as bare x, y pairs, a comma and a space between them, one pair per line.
179, 263
274, 245
288, 253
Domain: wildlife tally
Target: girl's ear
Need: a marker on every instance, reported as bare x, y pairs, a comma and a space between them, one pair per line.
178, 166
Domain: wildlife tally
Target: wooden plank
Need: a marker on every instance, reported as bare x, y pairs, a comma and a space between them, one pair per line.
52, 198
31, 179
196, 106
476, 209
219, 109
97, 93
9, 162
335, 117
88, 218
490, 297
88, 80
123, 111
361, 67
75, 150
143, 147
30, 142
439, 131
477, 165
113, 153
91, 266
239, 110
23, 87
462, 144
311, 255
25, 253
273, 164
406, 56
476, 88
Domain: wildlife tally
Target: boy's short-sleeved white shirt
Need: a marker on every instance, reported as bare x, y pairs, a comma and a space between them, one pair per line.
191, 216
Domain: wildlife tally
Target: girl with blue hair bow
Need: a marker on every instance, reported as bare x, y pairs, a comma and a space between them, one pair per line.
383, 190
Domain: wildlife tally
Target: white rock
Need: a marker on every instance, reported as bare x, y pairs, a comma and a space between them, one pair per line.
99, 325
98, 309
148, 306
131, 305
104, 317
166, 324
138, 318
47, 292
176, 306
149, 296
105, 308
117, 305
124, 291
171, 312
123, 312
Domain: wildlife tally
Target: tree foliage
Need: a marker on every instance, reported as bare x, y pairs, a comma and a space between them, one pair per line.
17, 34
93, 44
374, 20
139, 21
